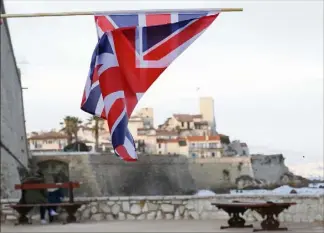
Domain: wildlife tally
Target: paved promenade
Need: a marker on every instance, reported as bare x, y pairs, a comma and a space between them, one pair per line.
150, 226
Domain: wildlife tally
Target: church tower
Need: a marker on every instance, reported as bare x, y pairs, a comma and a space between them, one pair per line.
208, 113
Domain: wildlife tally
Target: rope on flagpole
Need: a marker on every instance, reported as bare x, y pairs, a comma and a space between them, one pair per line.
79, 13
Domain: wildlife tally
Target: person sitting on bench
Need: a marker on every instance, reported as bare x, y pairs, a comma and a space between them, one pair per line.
36, 196
55, 195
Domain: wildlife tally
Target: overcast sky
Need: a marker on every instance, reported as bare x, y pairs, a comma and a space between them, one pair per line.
263, 67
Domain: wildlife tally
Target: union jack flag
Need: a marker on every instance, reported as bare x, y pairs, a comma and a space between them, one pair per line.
133, 50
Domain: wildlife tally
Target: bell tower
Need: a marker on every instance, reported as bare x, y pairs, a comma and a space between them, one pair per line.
208, 113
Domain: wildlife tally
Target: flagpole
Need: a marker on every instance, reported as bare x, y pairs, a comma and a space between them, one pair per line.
79, 13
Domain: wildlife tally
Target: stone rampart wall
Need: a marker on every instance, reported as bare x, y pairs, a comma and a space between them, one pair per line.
13, 135
308, 208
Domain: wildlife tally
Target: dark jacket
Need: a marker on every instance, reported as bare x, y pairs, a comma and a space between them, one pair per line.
34, 196
55, 196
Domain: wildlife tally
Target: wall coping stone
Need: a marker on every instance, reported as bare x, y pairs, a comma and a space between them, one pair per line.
186, 197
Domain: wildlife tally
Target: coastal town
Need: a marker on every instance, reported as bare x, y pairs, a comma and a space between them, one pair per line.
194, 136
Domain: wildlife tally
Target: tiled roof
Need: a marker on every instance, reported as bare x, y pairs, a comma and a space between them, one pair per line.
201, 123
186, 117
48, 135
176, 140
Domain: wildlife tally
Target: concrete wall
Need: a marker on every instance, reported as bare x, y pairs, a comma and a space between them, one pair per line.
308, 209
13, 134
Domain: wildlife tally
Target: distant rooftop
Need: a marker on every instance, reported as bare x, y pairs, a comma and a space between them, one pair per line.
48, 135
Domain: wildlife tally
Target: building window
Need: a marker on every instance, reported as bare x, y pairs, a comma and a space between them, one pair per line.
159, 145
213, 154
182, 124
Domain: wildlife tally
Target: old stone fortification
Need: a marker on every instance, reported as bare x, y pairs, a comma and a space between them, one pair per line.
308, 208
268, 168
13, 134
105, 175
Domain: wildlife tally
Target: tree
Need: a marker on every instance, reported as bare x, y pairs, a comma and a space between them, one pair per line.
96, 125
226, 175
71, 127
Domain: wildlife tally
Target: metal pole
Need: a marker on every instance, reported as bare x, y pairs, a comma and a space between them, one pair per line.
78, 13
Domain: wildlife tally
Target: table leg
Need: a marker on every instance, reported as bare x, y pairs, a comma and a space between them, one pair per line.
236, 221
270, 223
71, 210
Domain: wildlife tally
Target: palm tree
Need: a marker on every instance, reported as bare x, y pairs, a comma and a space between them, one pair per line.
96, 125
71, 127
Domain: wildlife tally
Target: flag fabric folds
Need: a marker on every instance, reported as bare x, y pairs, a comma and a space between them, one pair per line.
132, 51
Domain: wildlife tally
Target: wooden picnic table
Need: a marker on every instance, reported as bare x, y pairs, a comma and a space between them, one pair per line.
268, 210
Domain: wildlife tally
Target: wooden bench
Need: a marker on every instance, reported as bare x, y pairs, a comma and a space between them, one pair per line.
70, 207
268, 210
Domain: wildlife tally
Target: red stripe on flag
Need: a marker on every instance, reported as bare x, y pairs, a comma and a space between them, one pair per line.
95, 76
104, 24
111, 80
152, 20
116, 110
103, 114
182, 37
83, 98
122, 152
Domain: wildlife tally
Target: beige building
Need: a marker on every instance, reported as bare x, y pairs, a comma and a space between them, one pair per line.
142, 119
181, 122
148, 137
204, 146
147, 115
172, 146
151, 136
186, 125
135, 123
191, 146
166, 134
47, 141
